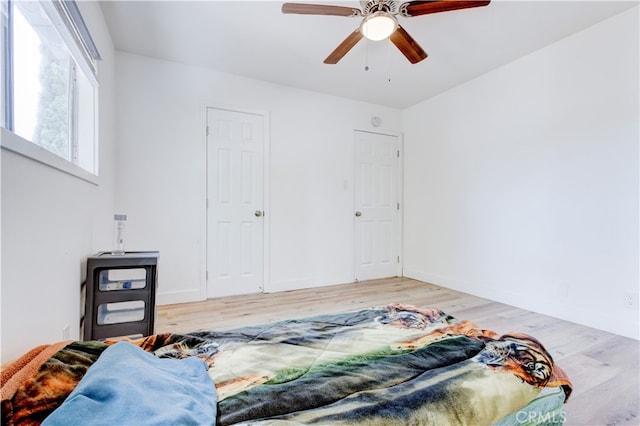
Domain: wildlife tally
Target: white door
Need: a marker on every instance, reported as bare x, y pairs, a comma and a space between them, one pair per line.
235, 216
377, 206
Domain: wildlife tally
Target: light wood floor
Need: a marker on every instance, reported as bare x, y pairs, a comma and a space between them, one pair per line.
603, 367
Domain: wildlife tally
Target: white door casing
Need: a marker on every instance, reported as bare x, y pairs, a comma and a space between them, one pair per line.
376, 202
235, 200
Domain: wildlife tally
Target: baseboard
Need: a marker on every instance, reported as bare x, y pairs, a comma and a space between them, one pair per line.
603, 320
276, 286
173, 297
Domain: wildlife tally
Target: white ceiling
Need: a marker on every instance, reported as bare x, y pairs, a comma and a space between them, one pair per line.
254, 39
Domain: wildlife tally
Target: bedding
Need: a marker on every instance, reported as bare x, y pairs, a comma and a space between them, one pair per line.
387, 365
142, 393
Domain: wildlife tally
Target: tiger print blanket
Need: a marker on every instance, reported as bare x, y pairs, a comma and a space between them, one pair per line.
380, 366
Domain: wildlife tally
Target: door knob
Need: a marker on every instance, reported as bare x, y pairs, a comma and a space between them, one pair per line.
258, 213
358, 213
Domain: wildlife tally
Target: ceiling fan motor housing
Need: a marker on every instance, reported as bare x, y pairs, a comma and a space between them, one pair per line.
372, 6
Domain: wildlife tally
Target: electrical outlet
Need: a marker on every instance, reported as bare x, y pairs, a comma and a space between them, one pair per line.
631, 301
66, 331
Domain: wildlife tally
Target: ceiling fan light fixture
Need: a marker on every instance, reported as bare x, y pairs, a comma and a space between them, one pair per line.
378, 26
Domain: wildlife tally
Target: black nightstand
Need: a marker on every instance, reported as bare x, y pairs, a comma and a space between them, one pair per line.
120, 295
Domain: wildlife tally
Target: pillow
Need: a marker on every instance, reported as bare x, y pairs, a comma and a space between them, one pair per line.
127, 385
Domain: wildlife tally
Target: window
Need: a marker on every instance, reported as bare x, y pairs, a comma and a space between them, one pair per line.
49, 83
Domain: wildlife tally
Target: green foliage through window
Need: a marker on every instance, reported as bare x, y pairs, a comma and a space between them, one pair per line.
49, 78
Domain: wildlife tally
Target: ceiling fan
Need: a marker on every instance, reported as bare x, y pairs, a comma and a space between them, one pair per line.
380, 21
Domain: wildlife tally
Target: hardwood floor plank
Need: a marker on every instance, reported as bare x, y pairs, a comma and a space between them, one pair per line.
604, 367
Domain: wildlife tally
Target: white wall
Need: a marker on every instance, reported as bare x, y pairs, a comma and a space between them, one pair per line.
522, 185
161, 177
51, 222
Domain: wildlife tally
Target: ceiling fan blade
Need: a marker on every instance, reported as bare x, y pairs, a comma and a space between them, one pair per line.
319, 9
424, 7
344, 47
407, 45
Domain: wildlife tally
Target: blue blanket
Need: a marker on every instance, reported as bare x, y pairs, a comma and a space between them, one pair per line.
130, 386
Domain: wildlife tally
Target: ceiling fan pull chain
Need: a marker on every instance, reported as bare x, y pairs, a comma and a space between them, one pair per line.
366, 56
389, 60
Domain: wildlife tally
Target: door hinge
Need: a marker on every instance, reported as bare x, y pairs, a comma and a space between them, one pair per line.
398, 206
398, 153
206, 275
207, 130
398, 259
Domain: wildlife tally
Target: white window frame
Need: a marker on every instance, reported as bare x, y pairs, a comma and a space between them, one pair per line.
16, 144
66, 18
